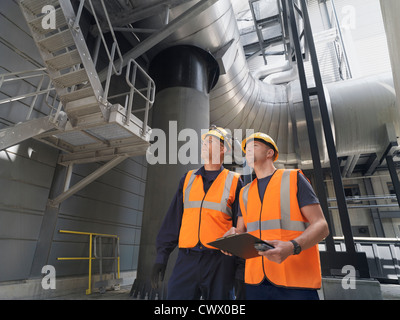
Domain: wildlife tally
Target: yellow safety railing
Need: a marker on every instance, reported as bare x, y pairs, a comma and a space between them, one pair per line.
91, 257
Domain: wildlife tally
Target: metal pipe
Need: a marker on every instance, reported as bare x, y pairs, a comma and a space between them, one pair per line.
282, 77
156, 38
352, 165
370, 206
357, 108
366, 198
266, 70
27, 95
137, 30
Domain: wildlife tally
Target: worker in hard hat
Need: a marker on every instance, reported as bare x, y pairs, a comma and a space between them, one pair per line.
281, 208
204, 208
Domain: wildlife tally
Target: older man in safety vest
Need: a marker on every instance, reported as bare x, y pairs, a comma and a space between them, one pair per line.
204, 208
281, 208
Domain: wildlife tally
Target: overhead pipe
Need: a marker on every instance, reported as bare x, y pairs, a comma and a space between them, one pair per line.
283, 77
262, 72
358, 109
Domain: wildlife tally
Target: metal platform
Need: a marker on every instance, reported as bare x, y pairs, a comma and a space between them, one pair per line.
99, 140
92, 129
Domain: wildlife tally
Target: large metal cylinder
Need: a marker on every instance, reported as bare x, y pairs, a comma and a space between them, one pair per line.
184, 76
361, 108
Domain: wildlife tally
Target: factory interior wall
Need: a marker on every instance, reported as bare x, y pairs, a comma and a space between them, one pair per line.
113, 204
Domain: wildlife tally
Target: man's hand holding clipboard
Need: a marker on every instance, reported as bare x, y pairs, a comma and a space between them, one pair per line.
243, 245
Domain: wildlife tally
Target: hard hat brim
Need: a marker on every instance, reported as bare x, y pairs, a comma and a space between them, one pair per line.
217, 135
267, 141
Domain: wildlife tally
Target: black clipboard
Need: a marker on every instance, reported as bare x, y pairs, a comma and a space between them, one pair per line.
241, 245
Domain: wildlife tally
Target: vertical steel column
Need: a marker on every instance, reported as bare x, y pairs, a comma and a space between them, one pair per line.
319, 178
330, 142
49, 222
332, 262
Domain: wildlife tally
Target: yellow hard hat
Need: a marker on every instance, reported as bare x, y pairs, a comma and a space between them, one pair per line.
263, 138
220, 133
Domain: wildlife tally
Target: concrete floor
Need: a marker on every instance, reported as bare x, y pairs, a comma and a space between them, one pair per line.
389, 292
122, 294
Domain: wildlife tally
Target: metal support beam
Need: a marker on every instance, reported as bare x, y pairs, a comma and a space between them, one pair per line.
330, 259
376, 217
87, 180
319, 177
25, 130
49, 222
157, 37
138, 14
330, 142
372, 165
394, 176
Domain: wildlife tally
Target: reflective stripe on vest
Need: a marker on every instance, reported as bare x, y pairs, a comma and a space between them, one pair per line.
278, 217
207, 216
221, 206
285, 222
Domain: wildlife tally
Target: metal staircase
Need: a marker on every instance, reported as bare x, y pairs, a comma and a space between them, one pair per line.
95, 130
66, 56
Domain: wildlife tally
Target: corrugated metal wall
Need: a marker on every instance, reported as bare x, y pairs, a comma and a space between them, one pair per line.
327, 58
368, 35
26, 173
363, 33
112, 204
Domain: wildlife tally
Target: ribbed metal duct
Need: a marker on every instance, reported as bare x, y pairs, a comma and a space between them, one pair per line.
359, 108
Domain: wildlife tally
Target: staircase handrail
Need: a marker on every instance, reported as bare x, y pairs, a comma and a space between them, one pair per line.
22, 76
150, 92
111, 29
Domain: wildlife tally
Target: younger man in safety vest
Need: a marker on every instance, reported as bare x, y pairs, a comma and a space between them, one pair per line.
281, 208
203, 209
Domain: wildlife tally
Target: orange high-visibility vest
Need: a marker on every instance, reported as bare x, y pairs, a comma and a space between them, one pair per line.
278, 217
207, 217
